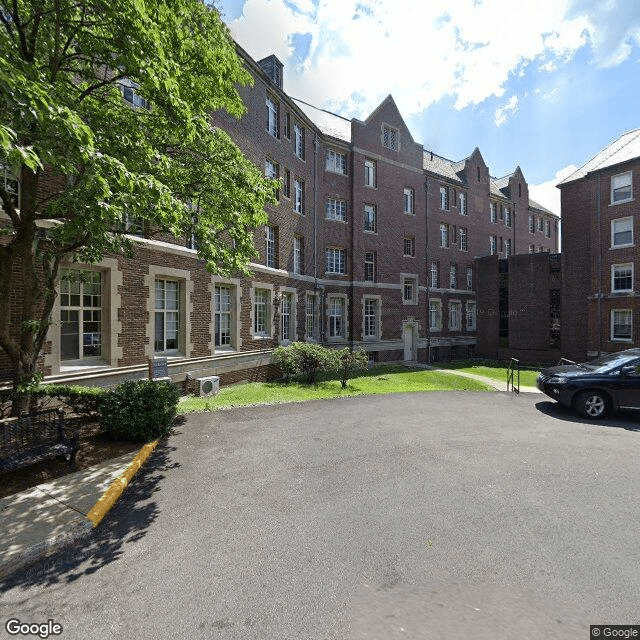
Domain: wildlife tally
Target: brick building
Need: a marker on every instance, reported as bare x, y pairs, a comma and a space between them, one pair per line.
600, 217
372, 244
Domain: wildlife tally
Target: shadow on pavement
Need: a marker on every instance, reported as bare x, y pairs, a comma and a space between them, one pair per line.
127, 522
628, 420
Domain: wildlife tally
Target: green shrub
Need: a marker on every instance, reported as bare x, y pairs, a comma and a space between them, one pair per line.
287, 361
139, 411
313, 358
83, 401
349, 361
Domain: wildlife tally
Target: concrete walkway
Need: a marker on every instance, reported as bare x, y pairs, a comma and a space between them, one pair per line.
498, 385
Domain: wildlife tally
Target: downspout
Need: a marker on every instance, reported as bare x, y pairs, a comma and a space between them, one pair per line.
351, 323
427, 263
316, 288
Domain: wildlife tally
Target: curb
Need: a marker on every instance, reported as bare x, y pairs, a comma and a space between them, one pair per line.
85, 524
111, 495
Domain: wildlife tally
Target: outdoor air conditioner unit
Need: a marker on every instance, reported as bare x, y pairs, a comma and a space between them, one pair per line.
208, 386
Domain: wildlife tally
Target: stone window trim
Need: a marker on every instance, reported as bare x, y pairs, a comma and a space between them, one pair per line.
621, 188
315, 296
628, 313
390, 137
336, 257
378, 317
370, 222
235, 284
336, 209
413, 277
294, 314
345, 308
112, 353
273, 116
370, 174
457, 304
336, 162
471, 316
186, 307
409, 247
616, 275
262, 286
409, 201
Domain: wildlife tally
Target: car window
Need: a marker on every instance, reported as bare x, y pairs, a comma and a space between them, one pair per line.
610, 361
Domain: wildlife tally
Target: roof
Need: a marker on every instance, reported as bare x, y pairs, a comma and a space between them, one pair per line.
441, 166
626, 147
534, 205
329, 123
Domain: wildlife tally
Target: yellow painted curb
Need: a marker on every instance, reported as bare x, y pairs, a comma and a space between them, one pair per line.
110, 496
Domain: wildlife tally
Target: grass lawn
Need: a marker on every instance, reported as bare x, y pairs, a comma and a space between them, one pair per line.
495, 372
383, 379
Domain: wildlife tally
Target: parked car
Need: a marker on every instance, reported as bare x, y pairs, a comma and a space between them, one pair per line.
597, 387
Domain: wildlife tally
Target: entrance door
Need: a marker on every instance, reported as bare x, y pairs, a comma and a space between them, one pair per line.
409, 342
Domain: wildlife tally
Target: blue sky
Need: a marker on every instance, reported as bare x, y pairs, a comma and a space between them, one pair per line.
543, 84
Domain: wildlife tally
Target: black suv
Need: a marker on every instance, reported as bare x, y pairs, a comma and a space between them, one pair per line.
594, 388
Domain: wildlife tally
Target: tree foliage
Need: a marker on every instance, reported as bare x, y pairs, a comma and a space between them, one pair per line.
64, 66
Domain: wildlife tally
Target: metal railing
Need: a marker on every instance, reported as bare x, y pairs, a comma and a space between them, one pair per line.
514, 367
564, 361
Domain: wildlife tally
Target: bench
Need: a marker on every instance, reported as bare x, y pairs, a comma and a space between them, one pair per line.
35, 437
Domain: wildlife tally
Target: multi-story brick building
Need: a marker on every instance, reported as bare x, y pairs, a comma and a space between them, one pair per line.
371, 244
600, 217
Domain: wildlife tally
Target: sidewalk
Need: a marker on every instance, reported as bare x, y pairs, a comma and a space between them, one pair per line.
42, 519
498, 385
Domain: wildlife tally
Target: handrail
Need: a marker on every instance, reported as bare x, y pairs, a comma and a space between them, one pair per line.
564, 361
514, 366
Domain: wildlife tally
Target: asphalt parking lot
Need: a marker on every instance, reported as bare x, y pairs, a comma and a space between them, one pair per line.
434, 515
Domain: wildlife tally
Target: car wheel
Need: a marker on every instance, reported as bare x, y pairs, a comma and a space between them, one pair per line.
591, 404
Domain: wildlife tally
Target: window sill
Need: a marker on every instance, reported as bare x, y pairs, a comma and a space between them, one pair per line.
627, 340
258, 337
79, 365
621, 246
613, 204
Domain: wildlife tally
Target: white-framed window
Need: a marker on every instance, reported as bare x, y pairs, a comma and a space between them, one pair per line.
462, 233
261, 312
287, 126
471, 316
370, 318
493, 245
532, 224
298, 196
80, 314
298, 255
621, 325
621, 190
167, 316
271, 240
336, 162
409, 290
11, 184
501, 212
463, 203
370, 266
298, 140
336, 317
532, 248
286, 316
622, 277
311, 317
369, 173
455, 315
493, 212
272, 171
129, 93
409, 201
390, 137
444, 235
435, 315
434, 275
370, 221
444, 198
335, 260
223, 304
272, 117
540, 223
622, 232
507, 217
507, 247
470, 278
409, 250
336, 209
453, 276
547, 228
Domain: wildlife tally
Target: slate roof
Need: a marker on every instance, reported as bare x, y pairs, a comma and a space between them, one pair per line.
329, 123
626, 147
441, 166
534, 205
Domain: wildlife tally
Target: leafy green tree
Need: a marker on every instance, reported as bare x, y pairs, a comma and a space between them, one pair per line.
65, 66
349, 361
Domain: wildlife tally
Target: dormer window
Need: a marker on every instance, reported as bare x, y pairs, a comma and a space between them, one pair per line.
390, 137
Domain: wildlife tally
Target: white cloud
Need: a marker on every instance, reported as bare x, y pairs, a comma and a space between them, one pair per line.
420, 52
507, 109
546, 193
